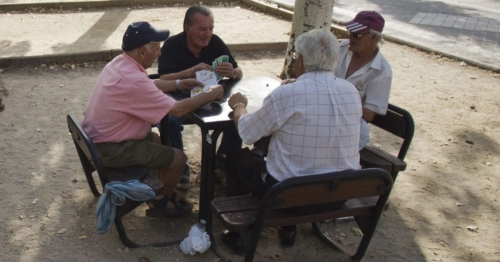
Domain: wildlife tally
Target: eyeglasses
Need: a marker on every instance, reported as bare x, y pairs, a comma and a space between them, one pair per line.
357, 36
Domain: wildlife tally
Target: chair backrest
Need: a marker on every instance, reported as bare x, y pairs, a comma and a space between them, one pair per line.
87, 151
329, 188
399, 122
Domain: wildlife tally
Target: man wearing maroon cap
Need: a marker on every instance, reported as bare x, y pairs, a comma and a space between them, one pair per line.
362, 64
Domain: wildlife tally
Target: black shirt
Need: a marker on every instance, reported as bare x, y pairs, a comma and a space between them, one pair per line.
175, 55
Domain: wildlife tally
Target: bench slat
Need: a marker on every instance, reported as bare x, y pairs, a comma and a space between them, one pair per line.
243, 220
397, 164
234, 204
368, 160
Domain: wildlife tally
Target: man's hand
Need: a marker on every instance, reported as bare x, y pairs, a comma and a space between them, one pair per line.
199, 67
237, 98
216, 91
189, 84
288, 81
225, 69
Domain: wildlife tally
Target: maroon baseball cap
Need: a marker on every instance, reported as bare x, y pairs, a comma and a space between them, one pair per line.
366, 19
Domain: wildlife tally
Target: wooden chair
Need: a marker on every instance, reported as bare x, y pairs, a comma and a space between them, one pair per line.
366, 193
91, 161
398, 122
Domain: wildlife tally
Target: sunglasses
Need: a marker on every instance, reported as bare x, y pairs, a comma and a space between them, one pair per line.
357, 36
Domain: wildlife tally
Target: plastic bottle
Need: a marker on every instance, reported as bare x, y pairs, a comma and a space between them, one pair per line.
197, 240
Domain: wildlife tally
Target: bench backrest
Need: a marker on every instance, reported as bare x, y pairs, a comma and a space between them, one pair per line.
329, 188
87, 151
398, 122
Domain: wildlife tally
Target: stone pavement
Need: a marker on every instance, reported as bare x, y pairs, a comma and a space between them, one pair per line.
467, 30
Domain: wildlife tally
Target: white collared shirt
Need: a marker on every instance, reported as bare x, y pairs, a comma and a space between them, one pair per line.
314, 123
373, 80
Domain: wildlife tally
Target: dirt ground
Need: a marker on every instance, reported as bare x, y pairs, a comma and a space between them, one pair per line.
444, 207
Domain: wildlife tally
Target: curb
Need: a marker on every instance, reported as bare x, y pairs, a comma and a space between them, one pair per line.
100, 4
108, 55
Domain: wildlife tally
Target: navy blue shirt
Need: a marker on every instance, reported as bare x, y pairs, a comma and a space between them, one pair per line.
176, 57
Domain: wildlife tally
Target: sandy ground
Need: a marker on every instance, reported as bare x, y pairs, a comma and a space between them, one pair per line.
444, 207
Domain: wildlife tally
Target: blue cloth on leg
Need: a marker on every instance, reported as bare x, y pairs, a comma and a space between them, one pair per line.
115, 194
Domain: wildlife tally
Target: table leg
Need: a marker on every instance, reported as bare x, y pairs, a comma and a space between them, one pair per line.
207, 180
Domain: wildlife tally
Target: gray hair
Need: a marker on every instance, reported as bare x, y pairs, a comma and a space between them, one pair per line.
378, 34
195, 9
319, 50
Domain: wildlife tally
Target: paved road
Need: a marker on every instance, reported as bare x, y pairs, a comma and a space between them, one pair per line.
466, 29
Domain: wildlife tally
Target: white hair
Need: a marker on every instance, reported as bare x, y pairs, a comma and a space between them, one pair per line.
319, 50
378, 34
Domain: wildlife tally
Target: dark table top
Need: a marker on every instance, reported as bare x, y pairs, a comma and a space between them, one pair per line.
218, 115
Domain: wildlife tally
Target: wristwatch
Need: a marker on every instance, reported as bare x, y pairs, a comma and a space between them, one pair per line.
177, 84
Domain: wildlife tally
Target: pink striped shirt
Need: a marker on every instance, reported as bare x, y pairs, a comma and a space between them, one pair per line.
124, 103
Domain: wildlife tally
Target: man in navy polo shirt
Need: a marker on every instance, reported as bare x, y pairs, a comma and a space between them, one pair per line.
184, 54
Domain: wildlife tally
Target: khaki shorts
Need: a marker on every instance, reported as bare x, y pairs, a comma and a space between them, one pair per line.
144, 153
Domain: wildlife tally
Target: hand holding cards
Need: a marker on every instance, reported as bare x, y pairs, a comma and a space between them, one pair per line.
208, 78
216, 62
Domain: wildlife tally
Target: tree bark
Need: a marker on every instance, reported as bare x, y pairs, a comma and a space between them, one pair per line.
307, 15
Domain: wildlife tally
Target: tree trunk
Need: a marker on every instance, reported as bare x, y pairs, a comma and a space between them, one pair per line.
307, 15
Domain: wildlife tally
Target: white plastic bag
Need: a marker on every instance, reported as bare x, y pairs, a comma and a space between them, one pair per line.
197, 240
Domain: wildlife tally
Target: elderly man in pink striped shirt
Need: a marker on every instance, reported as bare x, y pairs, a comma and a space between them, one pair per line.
125, 103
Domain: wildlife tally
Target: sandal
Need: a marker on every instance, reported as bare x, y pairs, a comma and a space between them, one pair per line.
160, 207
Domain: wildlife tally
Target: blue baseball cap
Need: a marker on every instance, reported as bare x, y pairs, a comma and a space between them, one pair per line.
139, 34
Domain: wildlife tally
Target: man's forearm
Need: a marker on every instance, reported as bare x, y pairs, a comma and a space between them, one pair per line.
238, 73
187, 105
179, 75
238, 111
165, 85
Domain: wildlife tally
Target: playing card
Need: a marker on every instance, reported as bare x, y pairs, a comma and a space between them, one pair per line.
208, 78
217, 62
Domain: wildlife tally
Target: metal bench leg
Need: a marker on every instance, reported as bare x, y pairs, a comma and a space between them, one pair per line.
321, 234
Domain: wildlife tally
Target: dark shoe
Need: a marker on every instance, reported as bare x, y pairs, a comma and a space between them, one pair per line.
233, 241
184, 182
158, 207
287, 236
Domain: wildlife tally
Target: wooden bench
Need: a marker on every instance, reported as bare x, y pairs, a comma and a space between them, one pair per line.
365, 191
398, 122
91, 161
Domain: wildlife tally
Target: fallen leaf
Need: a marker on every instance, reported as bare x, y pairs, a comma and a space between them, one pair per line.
345, 242
83, 237
62, 231
356, 231
472, 228
143, 259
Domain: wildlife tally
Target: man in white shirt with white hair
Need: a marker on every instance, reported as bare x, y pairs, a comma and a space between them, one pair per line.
313, 125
